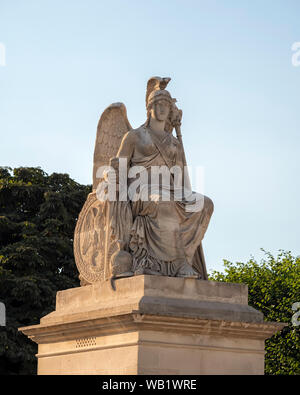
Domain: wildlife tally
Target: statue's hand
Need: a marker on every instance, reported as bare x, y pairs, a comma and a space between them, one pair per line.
176, 117
110, 176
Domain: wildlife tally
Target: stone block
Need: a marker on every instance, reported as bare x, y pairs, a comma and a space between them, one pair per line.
152, 325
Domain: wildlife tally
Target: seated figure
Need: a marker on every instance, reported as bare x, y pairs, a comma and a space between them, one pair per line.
154, 224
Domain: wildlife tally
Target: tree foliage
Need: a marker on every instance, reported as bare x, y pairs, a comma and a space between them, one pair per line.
274, 285
38, 213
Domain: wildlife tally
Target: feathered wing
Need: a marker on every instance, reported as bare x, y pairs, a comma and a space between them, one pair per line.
112, 126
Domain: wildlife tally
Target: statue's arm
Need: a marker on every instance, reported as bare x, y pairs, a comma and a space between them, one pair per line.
181, 162
125, 151
127, 146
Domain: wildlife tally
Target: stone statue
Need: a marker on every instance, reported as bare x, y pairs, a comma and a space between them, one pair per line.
156, 226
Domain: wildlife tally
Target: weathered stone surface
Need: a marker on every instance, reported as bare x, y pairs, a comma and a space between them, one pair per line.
158, 227
158, 295
152, 325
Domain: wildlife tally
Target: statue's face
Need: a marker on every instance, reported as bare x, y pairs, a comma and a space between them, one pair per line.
160, 110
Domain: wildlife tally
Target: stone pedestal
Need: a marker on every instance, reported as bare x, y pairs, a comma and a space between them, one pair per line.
152, 325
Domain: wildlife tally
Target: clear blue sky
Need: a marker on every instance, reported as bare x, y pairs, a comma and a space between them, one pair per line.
231, 70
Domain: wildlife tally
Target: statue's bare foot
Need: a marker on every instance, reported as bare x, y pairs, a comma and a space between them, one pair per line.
187, 271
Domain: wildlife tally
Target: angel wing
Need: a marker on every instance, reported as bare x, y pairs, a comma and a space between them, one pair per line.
112, 126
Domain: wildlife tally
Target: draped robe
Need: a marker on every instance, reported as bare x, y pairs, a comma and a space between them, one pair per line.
164, 235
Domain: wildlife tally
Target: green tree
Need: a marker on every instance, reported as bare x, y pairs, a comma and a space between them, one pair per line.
274, 285
38, 213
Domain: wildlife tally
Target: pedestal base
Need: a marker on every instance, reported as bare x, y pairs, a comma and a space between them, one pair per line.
152, 325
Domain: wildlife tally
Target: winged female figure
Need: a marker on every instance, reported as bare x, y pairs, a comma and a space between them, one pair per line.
151, 235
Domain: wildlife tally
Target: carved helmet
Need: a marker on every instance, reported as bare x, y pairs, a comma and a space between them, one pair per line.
156, 90
158, 95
